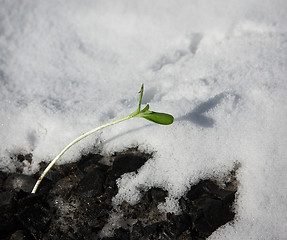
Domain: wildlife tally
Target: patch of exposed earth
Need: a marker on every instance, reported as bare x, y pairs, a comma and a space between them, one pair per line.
74, 201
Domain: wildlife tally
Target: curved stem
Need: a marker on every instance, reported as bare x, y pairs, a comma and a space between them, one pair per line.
74, 142
134, 114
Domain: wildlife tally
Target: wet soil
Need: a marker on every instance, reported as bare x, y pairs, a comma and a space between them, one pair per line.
74, 201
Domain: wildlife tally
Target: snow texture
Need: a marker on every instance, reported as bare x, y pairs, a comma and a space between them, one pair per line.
219, 67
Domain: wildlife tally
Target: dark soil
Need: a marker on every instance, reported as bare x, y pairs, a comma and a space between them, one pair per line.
74, 201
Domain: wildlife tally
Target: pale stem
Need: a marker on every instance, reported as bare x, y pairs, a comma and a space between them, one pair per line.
134, 114
74, 142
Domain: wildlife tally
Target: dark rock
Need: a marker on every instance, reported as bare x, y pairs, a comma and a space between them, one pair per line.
89, 162
213, 214
7, 200
127, 162
19, 182
210, 188
209, 206
65, 185
92, 184
157, 195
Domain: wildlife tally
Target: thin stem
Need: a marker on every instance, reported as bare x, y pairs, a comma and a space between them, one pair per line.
134, 114
74, 142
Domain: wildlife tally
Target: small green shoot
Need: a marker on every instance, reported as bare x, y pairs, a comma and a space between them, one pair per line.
156, 117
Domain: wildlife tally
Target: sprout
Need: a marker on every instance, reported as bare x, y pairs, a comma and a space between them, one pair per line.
156, 117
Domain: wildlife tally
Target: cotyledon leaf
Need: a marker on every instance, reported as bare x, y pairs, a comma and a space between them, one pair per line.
156, 117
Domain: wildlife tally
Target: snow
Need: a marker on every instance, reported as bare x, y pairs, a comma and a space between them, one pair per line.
219, 67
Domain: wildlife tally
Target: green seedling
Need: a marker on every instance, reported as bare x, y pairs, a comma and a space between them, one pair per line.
156, 117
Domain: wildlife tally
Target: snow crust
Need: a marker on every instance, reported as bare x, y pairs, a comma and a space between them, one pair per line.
219, 67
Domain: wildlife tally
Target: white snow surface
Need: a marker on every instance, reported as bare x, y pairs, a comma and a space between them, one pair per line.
219, 67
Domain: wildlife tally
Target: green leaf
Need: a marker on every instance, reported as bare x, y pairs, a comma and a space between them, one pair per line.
156, 117
141, 96
145, 109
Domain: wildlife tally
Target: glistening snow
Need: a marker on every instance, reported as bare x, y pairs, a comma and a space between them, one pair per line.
218, 66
